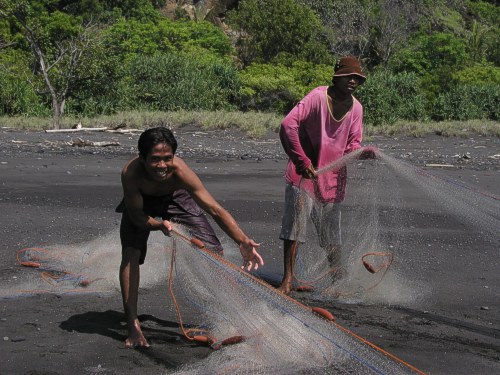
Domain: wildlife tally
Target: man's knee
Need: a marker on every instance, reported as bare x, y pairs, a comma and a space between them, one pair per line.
130, 255
334, 254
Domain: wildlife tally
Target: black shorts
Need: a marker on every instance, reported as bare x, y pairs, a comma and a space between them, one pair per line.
179, 208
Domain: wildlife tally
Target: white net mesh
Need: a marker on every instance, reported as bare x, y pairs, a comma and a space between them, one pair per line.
279, 334
392, 215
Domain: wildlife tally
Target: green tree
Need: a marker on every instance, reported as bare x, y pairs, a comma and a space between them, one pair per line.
278, 86
61, 47
389, 97
270, 27
131, 37
346, 23
484, 33
110, 10
478, 73
434, 58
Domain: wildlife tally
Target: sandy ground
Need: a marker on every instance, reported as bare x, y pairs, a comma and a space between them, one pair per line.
52, 193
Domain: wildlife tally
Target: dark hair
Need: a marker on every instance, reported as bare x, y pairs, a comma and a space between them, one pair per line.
154, 136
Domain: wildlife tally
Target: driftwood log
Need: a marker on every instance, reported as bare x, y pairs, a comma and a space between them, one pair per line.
82, 143
117, 129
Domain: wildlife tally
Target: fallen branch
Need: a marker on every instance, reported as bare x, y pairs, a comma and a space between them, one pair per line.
81, 143
440, 165
75, 130
124, 131
107, 130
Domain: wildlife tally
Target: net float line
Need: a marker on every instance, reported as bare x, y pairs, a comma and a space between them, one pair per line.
323, 313
35, 262
78, 279
202, 337
308, 286
318, 310
372, 269
386, 264
51, 277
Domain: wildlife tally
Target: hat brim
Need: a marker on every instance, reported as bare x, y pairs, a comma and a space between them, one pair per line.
350, 74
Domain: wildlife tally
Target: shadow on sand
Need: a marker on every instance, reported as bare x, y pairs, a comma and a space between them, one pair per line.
167, 344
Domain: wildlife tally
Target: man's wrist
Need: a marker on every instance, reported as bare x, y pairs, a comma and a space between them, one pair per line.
244, 242
154, 224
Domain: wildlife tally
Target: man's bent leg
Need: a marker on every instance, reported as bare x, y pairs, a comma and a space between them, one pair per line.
129, 283
290, 253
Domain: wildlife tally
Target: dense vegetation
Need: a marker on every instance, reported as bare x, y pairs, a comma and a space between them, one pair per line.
426, 60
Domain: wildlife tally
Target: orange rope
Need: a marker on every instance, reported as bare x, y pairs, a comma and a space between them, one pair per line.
379, 349
184, 331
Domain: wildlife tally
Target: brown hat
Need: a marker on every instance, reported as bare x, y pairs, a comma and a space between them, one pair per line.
348, 65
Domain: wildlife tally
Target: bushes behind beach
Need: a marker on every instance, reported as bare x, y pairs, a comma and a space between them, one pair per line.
441, 62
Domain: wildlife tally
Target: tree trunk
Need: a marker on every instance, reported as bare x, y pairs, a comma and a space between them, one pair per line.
57, 112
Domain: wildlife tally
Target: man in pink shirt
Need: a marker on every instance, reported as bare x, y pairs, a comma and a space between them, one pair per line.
324, 126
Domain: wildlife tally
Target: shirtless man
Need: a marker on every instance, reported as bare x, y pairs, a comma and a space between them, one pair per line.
158, 184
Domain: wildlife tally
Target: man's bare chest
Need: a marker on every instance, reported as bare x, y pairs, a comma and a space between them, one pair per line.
158, 188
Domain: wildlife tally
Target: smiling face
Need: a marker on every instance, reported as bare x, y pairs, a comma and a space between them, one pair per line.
159, 162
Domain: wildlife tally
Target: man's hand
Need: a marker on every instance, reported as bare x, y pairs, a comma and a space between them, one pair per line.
251, 258
166, 227
309, 172
368, 153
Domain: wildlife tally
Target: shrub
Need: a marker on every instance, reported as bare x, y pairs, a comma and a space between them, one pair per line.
278, 87
467, 102
389, 97
171, 82
433, 58
131, 37
130, 43
478, 74
17, 97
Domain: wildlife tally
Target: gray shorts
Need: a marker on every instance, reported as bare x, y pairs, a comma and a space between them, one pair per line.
299, 207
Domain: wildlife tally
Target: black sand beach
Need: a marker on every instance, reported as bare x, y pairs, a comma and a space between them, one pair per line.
54, 193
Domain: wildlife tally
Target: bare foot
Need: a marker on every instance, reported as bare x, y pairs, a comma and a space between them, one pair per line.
285, 287
135, 337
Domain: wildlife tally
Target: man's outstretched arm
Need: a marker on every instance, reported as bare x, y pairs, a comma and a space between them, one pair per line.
248, 247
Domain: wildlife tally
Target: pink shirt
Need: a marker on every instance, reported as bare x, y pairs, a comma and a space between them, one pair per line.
310, 135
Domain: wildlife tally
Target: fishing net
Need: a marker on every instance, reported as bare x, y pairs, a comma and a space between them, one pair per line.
258, 330
397, 221
401, 226
251, 327
65, 269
